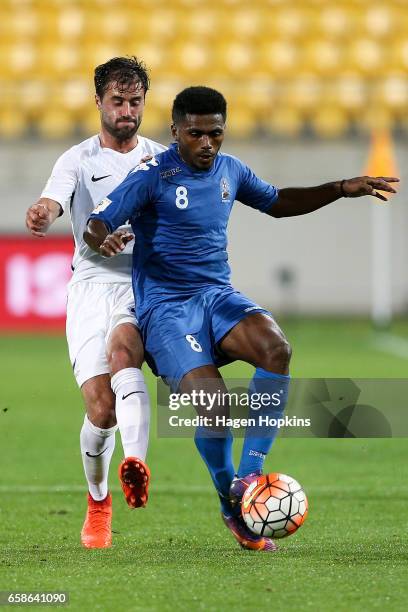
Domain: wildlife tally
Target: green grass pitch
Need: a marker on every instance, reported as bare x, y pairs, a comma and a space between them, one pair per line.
351, 554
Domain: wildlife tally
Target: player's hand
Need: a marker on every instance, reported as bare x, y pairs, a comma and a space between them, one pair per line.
115, 243
146, 158
368, 185
38, 220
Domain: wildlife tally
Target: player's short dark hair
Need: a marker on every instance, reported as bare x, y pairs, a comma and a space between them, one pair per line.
122, 71
198, 101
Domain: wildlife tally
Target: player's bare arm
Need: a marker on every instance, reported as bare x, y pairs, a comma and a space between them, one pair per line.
294, 201
41, 215
102, 242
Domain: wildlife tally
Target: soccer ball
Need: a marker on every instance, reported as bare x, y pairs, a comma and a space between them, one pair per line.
274, 505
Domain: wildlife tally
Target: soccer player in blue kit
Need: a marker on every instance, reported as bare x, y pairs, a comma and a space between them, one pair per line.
192, 320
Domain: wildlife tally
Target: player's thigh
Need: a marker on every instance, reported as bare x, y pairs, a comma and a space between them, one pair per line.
258, 340
124, 348
177, 340
99, 401
86, 327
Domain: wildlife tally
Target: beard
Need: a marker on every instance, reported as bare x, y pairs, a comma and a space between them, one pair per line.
124, 132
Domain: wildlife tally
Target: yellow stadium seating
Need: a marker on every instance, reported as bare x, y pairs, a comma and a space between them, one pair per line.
329, 121
54, 123
13, 122
281, 64
284, 120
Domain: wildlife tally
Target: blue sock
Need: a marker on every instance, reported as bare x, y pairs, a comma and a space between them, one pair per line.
217, 455
259, 439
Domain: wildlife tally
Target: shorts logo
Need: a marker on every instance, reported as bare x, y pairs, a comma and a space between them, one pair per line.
225, 190
102, 205
252, 308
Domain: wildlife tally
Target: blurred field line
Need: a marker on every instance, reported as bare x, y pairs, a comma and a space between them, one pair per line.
394, 345
184, 490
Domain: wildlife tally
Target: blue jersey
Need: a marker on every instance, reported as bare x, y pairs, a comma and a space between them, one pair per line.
179, 216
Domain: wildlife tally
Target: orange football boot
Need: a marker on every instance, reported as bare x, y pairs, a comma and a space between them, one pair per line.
134, 476
96, 532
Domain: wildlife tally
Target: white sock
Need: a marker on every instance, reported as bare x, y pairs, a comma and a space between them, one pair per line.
97, 447
132, 411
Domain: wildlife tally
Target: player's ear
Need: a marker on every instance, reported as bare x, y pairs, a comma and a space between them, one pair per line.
174, 132
98, 102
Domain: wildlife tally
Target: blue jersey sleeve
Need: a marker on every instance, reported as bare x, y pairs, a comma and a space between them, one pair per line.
140, 187
255, 192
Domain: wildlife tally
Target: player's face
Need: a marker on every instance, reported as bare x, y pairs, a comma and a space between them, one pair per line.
199, 139
121, 109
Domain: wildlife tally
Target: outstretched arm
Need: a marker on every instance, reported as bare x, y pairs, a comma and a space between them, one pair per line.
41, 215
102, 242
294, 201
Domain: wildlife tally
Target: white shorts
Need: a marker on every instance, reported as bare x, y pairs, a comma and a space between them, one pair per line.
93, 311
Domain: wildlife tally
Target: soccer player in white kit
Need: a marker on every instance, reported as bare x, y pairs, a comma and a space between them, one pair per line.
102, 333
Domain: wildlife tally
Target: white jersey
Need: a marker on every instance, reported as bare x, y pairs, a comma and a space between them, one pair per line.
80, 179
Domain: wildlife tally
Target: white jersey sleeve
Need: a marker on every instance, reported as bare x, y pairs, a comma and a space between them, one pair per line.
63, 180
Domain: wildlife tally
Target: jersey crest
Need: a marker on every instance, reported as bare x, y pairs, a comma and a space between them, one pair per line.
225, 190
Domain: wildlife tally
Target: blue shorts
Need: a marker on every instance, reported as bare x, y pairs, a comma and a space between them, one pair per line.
180, 336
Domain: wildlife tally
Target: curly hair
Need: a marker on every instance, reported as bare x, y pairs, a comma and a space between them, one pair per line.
198, 101
122, 71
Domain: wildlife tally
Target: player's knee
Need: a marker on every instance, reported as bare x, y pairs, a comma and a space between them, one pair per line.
122, 356
276, 354
100, 409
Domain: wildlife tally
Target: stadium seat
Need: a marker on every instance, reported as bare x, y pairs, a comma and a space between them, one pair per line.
376, 118
378, 20
242, 121
156, 123
191, 57
60, 60
289, 22
368, 56
244, 23
284, 121
89, 121
350, 92
13, 123
329, 121
33, 94
392, 94
303, 93
323, 57
70, 22
54, 124
235, 57
335, 21
279, 58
